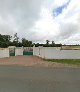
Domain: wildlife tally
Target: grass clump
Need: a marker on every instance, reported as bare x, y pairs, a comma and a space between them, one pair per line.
66, 61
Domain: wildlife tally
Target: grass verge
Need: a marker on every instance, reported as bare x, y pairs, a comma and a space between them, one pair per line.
66, 61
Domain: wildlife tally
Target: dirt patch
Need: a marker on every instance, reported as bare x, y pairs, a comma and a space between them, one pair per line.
31, 61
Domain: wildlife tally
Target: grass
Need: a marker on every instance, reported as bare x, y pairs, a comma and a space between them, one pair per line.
66, 61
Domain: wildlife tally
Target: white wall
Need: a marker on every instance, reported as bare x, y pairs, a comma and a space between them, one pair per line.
35, 51
55, 53
4, 52
18, 51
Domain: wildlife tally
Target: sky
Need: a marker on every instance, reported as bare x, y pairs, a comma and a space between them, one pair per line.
41, 20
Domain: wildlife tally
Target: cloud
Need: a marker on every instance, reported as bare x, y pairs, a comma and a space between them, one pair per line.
68, 30
45, 27
18, 16
34, 20
69, 24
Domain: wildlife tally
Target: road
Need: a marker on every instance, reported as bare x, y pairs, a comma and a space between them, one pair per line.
39, 79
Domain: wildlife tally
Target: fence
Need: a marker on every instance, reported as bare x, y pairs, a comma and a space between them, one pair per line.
18, 51
28, 51
15, 51
4, 52
55, 53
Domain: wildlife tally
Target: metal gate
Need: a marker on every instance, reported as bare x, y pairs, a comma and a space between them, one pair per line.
28, 51
11, 51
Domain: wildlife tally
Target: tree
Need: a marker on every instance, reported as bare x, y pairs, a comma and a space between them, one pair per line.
24, 42
5, 40
16, 40
47, 42
53, 43
29, 43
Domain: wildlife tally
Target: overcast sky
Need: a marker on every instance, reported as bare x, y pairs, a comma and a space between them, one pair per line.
40, 20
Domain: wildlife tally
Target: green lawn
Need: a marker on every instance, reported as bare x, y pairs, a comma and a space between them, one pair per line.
66, 61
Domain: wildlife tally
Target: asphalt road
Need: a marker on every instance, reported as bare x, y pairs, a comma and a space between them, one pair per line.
34, 79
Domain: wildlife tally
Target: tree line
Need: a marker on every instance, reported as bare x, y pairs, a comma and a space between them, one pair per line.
6, 41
